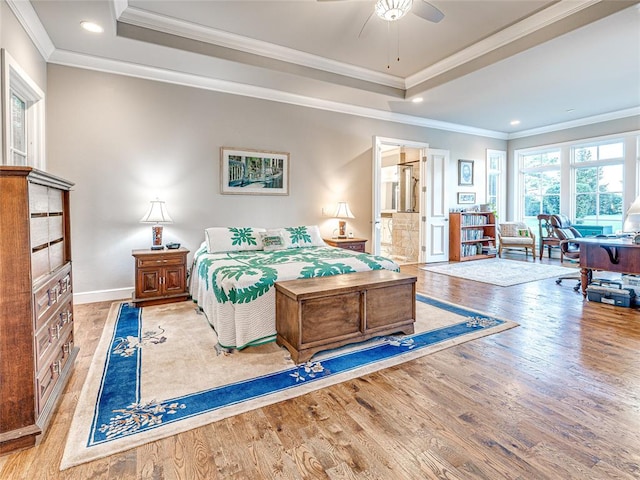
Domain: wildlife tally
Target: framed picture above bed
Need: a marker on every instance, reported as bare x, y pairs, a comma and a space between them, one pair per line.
253, 172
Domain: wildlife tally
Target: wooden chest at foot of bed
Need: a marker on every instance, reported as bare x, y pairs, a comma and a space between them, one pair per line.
315, 314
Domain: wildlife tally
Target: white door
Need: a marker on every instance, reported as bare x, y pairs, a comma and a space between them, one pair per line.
434, 209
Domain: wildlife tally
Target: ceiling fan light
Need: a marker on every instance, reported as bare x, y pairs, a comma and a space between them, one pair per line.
392, 10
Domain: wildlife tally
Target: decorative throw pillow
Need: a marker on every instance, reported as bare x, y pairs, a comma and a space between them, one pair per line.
304, 236
509, 229
233, 239
272, 240
523, 232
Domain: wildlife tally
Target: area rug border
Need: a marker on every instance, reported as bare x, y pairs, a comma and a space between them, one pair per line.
78, 451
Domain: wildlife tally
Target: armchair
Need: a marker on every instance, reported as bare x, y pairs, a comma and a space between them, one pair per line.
516, 235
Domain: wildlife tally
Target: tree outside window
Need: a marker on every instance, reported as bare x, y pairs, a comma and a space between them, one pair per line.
599, 184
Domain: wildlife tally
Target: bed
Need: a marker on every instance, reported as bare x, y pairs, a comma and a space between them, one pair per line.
234, 271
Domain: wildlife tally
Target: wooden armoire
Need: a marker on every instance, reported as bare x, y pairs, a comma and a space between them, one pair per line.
37, 350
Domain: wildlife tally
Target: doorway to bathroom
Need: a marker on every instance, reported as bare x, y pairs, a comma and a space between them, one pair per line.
410, 221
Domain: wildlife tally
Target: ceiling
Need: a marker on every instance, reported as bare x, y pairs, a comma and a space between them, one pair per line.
548, 64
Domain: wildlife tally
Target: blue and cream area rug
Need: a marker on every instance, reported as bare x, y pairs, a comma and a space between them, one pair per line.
157, 372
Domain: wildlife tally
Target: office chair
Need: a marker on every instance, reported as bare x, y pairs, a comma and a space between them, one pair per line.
563, 230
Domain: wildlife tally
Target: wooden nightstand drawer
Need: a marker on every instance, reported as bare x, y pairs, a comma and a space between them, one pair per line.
355, 244
165, 260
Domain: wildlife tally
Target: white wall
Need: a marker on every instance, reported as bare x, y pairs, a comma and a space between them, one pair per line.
124, 141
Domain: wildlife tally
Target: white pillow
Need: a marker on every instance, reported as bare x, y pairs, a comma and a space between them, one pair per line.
273, 240
233, 239
303, 236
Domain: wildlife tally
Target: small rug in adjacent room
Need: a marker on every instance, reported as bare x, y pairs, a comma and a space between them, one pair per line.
157, 372
501, 272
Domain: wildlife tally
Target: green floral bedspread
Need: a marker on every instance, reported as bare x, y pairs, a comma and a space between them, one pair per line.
235, 289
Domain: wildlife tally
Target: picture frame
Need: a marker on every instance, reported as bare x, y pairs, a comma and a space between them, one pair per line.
245, 171
465, 172
466, 197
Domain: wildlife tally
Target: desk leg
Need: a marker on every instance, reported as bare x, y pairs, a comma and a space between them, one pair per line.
585, 279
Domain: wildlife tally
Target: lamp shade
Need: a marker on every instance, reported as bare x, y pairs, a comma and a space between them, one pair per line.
632, 221
157, 213
343, 211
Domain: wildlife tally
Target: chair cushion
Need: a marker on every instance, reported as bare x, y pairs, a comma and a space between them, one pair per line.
516, 240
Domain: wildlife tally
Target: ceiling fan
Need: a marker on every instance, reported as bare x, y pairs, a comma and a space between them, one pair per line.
392, 10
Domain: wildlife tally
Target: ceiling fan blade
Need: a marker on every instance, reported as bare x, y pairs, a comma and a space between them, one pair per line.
427, 11
361, 35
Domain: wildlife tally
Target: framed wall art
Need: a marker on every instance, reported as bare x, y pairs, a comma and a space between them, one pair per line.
464, 197
465, 172
253, 172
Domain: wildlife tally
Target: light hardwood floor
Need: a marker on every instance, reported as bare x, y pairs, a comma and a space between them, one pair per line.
556, 398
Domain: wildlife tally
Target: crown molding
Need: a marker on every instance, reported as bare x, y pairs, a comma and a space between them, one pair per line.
581, 122
26, 15
542, 19
142, 18
72, 59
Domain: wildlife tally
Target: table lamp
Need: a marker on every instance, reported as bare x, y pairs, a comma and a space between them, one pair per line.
157, 215
343, 211
632, 220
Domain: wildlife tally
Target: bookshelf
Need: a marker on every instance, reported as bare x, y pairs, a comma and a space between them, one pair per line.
472, 236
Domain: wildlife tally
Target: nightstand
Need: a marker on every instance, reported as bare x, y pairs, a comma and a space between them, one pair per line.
355, 244
161, 276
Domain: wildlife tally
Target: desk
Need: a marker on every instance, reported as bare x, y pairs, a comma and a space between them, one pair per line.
609, 254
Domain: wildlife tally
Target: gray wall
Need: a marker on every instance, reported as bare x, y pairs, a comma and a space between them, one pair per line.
15, 40
124, 141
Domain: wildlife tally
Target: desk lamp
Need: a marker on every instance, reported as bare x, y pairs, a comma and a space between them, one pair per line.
343, 211
157, 215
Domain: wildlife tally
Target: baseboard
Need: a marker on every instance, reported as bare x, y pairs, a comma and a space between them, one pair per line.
103, 295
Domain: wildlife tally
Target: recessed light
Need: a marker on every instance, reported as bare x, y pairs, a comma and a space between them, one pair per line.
417, 100
515, 122
91, 27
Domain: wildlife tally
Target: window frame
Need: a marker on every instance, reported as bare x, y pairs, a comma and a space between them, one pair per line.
16, 80
575, 166
501, 180
522, 171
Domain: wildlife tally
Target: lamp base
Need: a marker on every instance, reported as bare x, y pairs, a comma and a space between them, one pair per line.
156, 232
342, 229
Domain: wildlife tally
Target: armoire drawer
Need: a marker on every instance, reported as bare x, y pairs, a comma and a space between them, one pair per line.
48, 376
50, 294
57, 328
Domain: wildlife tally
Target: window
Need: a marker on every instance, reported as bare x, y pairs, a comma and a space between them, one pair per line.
598, 173
24, 121
18, 143
496, 181
540, 180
